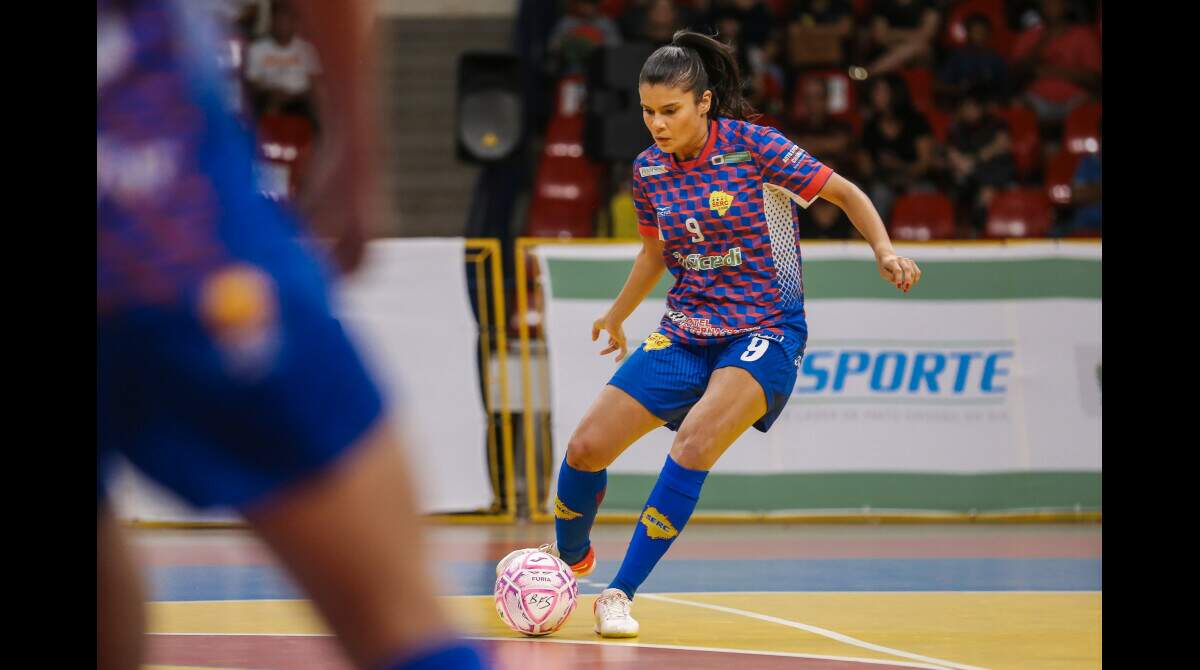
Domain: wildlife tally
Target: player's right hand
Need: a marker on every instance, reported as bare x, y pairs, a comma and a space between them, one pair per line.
616, 337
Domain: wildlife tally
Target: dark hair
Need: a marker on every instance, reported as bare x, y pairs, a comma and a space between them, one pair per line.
697, 62
977, 18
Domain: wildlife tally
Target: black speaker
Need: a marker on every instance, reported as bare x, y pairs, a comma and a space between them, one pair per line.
613, 126
489, 112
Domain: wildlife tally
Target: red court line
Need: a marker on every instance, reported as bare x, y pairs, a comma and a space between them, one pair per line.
321, 653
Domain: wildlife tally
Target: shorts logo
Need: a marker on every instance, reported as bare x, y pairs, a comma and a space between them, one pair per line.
658, 526
656, 341
719, 202
563, 512
652, 170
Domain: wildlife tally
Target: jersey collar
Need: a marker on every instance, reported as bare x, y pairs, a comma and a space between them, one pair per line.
705, 153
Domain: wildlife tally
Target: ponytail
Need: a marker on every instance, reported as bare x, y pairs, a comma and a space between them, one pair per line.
697, 62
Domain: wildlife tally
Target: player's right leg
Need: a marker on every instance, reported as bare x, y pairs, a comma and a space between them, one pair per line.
613, 422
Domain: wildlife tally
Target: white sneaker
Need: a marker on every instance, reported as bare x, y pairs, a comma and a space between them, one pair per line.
612, 614
551, 549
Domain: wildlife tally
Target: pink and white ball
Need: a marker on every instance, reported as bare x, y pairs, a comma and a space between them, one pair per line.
535, 593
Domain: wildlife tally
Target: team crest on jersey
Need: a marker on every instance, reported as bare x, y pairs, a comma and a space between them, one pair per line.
656, 341
719, 202
563, 512
658, 526
652, 170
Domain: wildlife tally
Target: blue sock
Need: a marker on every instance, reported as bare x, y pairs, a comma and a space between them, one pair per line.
667, 511
579, 496
450, 656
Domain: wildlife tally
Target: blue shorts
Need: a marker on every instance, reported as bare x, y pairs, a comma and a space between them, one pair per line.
668, 380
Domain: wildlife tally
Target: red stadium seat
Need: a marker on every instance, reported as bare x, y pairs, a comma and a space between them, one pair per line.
1025, 136
919, 81
955, 33
1020, 212
922, 216
1081, 131
939, 122
565, 199
284, 145
1060, 174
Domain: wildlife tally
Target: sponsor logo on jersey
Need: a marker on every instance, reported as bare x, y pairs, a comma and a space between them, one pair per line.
656, 341
563, 512
719, 202
735, 157
793, 155
658, 526
652, 170
730, 258
663, 211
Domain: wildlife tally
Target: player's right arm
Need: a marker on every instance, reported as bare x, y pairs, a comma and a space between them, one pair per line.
647, 268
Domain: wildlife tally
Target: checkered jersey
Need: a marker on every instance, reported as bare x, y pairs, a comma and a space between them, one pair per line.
730, 232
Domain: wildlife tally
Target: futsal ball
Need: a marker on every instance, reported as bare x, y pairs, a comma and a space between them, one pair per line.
535, 593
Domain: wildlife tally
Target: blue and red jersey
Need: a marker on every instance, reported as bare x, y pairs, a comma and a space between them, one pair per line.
730, 230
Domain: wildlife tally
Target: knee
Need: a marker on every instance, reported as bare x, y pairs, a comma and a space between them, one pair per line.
585, 453
694, 450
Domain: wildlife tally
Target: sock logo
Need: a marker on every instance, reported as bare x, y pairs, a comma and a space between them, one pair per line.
658, 526
563, 512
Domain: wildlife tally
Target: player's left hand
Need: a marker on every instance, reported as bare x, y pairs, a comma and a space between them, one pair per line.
899, 270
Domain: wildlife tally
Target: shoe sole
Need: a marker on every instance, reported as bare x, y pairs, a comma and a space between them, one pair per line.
614, 635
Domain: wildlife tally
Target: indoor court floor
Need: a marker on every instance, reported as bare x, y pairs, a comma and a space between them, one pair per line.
729, 596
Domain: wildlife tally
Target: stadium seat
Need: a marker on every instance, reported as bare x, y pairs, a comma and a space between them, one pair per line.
1081, 131
939, 123
1025, 136
1019, 212
566, 196
284, 145
1060, 174
955, 33
920, 87
922, 216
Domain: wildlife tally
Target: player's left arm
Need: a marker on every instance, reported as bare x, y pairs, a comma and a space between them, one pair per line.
899, 270
787, 166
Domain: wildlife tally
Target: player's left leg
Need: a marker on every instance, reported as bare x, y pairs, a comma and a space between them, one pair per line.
732, 402
120, 609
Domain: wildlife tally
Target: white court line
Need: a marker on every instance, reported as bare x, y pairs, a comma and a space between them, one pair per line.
814, 629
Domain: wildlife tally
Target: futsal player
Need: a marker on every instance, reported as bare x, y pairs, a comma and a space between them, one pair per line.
221, 372
714, 198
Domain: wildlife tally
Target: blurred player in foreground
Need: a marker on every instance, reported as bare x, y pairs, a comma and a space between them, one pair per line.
714, 198
220, 370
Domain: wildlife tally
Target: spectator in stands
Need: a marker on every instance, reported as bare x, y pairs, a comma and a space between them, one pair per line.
975, 66
654, 22
901, 34
581, 30
282, 69
819, 32
762, 78
897, 153
1060, 60
979, 157
822, 135
755, 21
1085, 195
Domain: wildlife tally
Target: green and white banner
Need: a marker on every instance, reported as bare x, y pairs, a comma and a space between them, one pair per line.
977, 391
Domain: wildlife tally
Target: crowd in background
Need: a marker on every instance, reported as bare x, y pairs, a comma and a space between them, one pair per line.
966, 99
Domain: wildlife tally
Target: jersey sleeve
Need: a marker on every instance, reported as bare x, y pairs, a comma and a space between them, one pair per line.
647, 223
790, 168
